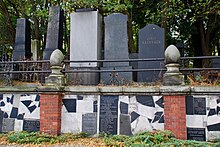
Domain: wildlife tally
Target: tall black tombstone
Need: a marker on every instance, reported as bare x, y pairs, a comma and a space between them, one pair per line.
116, 47
22, 48
151, 45
54, 38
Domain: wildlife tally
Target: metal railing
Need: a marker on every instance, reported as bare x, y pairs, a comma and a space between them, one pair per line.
35, 71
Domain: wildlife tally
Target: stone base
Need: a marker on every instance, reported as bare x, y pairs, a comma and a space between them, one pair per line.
170, 79
59, 80
83, 78
116, 78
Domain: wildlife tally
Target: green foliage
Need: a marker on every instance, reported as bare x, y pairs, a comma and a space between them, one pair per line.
156, 139
38, 138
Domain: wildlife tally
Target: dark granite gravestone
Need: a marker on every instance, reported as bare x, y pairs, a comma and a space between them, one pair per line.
151, 45
89, 123
108, 118
116, 47
1, 120
199, 106
196, 134
54, 38
22, 48
125, 124
31, 125
195, 105
8, 124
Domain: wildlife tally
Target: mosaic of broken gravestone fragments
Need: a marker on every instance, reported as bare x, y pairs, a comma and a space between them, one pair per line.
22, 112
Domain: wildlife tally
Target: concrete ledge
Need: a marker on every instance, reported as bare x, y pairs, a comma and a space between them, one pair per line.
117, 90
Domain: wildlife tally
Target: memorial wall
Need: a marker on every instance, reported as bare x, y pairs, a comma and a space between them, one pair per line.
110, 114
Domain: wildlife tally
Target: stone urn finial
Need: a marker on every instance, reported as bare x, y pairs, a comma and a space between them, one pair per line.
172, 76
56, 77
56, 58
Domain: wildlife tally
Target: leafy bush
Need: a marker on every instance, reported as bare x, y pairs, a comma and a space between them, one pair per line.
38, 138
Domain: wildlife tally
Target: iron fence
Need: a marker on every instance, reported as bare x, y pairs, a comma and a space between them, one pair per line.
36, 71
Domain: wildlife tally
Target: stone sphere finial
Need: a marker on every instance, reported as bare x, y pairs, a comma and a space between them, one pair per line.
172, 54
56, 58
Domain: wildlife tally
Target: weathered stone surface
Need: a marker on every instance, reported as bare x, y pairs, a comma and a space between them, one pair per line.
116, 39
85, 37
22, 47
172, 54
56, 57
54, 38
151, 45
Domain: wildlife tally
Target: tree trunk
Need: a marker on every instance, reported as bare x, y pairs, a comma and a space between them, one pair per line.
131, 47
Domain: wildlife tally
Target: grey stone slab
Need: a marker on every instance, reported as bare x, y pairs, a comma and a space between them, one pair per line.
22, 48
108, 118
116, 78
54, 37
85, 37
116, 39
8, 124
83, 78
89, 123
151, 45
32, 125
125, 125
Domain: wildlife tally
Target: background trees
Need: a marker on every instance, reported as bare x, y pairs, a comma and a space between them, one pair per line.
195, 23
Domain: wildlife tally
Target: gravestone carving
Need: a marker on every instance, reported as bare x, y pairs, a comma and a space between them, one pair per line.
116, 47
31, 125
89, 123
151, 45
22, 48
108, 118
85, 44
8, 124
196, 134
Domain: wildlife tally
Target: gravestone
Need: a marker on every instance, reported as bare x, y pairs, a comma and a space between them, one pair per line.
22, 48
89, 123
125, 125
116, 47
8, 124
151, 45
31, 125
108, 118
196, 134
35, 49
1, 120
195, 105
54, 37
215, 63
85, 44
199, 106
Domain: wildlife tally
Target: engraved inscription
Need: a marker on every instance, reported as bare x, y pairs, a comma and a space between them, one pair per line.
196, 134
108, 114
89, 123
151, 40
31, 125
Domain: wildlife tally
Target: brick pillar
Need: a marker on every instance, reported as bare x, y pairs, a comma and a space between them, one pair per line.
175, 115
50, 113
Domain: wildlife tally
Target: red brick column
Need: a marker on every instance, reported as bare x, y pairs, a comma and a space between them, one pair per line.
175, 115
50, 113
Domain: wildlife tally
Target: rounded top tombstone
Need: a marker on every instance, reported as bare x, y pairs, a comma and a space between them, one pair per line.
172, 54
56, 57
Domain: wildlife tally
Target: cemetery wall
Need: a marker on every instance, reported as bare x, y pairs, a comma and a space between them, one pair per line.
112, 114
